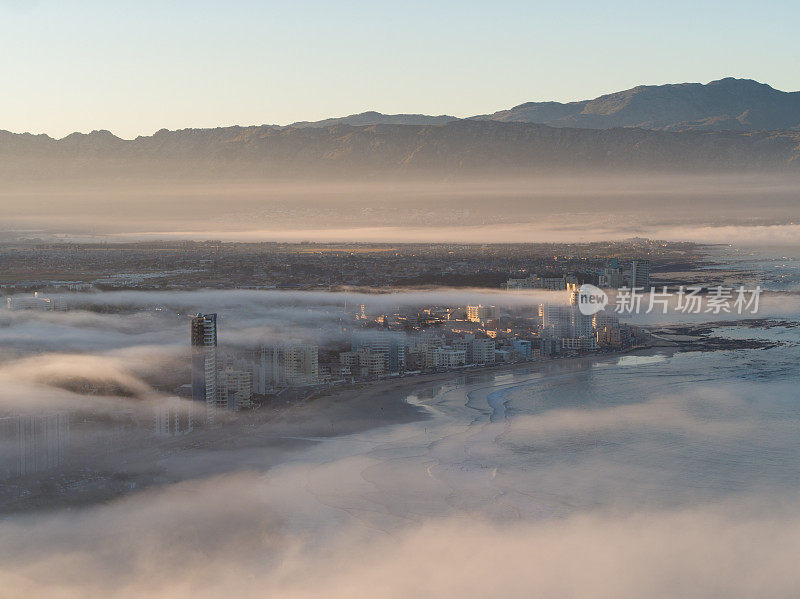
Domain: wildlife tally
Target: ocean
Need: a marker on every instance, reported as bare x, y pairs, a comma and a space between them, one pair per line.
662, 429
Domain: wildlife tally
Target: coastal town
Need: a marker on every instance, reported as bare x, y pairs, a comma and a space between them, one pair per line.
225, 381
35, 265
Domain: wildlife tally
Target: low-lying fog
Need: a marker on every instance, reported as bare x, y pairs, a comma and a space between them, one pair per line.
726, 208
599, 496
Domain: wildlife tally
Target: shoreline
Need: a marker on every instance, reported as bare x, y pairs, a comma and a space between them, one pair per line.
272, 438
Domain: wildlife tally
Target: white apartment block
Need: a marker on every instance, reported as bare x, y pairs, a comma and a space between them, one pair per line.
483, 351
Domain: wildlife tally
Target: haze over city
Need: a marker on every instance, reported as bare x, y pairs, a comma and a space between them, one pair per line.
378, 300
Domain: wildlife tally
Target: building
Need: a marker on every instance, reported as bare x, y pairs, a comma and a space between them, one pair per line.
34, 302
31, 443
523, 348
204, 362
556, 320
537, 282
464, 344
609, 337
173, 417
449, 357
301, 364
427, 346
560, 322
349, 359
339, 372
603, 320
480, 313
235, 389
640, 274
580, 325
268, 372
483, 351
392, 346
276, 367
611, 278
372, 363
579, 343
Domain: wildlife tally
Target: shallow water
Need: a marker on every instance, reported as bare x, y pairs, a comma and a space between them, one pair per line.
631, 432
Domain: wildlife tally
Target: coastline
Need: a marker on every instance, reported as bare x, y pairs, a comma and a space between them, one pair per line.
265, 438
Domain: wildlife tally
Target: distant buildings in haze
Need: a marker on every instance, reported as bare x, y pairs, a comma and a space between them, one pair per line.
481, 313
31, 302
536, 282
31, 443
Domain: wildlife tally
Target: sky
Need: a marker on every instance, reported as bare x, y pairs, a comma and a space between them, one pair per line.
136, 67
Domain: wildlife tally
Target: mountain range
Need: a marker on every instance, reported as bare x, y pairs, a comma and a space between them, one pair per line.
728, 125
723, 105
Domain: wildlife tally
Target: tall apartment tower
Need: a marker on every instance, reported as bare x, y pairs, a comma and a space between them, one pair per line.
556, 320
580, 325
204, 362
301, 364
393, 347
33, 443
640, 274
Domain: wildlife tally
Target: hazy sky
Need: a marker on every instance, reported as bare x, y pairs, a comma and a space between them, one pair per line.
135, 67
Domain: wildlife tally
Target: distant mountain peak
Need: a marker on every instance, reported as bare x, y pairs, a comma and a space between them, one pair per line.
736, 81
717, 105
371, 117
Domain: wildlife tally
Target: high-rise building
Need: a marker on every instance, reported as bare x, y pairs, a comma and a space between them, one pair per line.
173, 417
292, 364
465, 344
480, 313
640, 274
556, 320
301, 364
235, 389
371, 362
268, 371
483, 351
392, 346
611, 278
565, 322
580, 325
33, 442
204, 362
426, 346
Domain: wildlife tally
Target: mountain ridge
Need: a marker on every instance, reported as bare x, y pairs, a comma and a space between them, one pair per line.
726, 104
372, 117
723, 127
459, 147
722, 105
